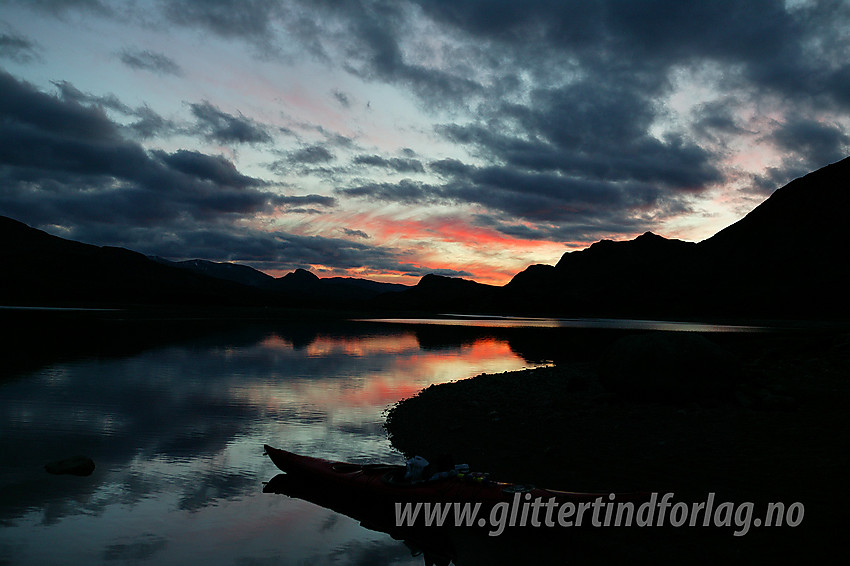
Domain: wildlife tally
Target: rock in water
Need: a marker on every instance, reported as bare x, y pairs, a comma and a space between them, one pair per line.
668, 366
76, 465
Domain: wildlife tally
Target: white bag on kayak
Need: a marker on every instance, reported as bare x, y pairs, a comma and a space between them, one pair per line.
415, 469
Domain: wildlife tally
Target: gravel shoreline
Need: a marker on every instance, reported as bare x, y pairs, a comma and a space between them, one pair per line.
782, 436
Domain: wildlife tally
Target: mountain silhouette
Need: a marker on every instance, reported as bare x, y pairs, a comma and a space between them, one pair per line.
790, 254
235, 272
300, 282
607, 278
45, 270
445, 294
786, 258
346, 289
298, 279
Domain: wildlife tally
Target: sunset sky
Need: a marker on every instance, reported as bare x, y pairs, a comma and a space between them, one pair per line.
390, 139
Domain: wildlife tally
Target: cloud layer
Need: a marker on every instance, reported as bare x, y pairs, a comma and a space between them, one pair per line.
300, 133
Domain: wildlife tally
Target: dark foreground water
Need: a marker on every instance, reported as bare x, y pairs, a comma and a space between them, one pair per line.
176, 429
175, 414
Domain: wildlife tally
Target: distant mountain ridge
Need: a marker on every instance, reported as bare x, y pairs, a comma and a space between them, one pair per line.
235, 272
607, 278
336, 288
786, 258
45, 270
445, 294
300, 281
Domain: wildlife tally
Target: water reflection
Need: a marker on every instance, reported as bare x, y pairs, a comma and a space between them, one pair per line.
468, 545
579, 323
176, 429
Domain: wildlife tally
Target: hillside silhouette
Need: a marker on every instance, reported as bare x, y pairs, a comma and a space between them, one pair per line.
785, 259
45, 270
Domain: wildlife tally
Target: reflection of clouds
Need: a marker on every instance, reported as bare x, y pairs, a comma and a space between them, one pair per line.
366, 345
212, 487
141, 549
383, 379
368, 553
179, 429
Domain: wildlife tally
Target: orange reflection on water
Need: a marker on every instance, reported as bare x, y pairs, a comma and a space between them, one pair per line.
351, 346
363, 346
374, 386
275, 342
408, 374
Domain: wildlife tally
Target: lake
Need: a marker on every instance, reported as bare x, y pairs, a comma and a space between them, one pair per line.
176, 428
175, 414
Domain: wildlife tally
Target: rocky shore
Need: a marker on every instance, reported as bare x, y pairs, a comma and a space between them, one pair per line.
779, 434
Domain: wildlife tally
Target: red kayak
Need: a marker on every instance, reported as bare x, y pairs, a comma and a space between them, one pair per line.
384, 484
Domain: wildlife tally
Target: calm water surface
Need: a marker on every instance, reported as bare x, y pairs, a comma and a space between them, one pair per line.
177, 429
576, 323
175, 419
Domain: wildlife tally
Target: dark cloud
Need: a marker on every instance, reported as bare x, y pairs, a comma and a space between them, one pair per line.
656, 32
817, 143
763, 184
586, 228
309, 160
71, 93
805, 145
596, 132
535, 196
561, 112
404, 191
266, 251
105, 189
398, 164
381, 57
319, 200
572, 192
62, 162
342, 98
210, 122
794, 51
208, 167
145, 60
311, 155
30, 110
716, 120
449, 167
148, 124
60, 7
227, 128
16, 47
367, 34
245, 19
356, 233
595, 76
772, 45
419, 271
